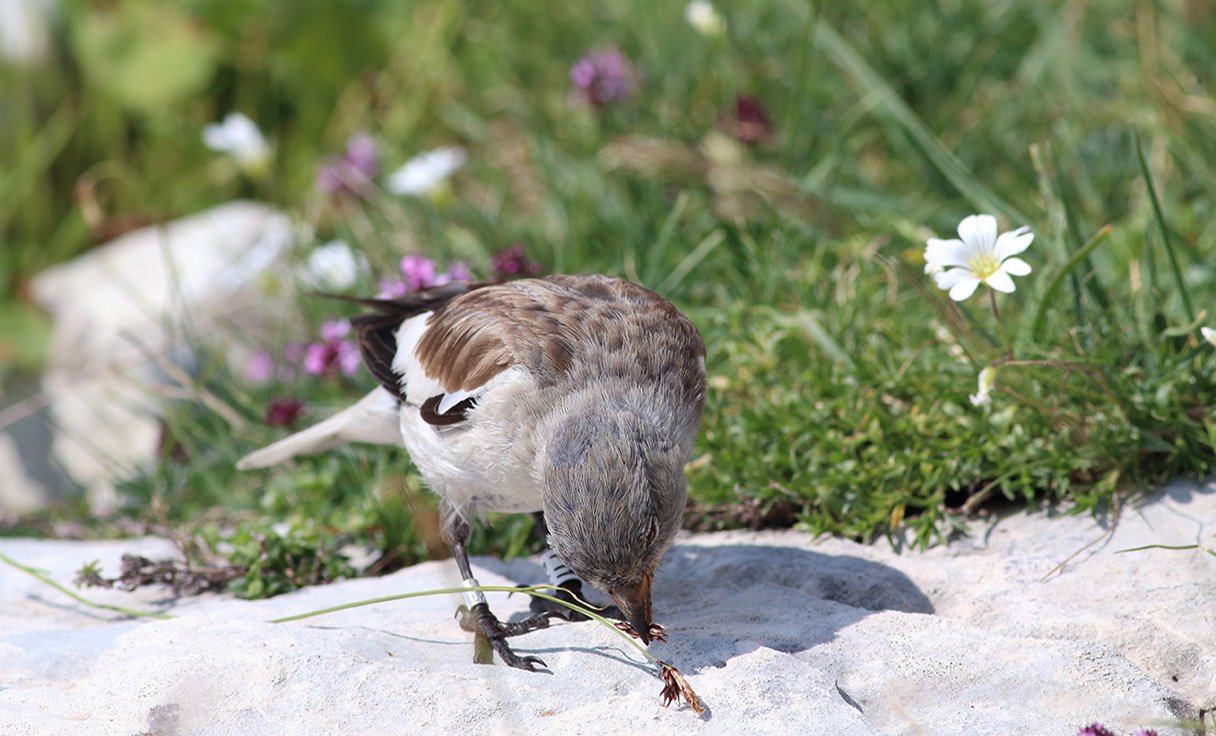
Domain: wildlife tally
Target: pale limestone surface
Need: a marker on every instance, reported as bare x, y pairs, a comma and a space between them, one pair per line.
778, 633
155, 290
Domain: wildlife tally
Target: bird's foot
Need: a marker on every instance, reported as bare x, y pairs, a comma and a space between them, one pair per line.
479, 620
571, 592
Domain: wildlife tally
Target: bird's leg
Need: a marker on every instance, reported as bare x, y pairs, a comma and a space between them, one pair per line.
570, 587
478, 617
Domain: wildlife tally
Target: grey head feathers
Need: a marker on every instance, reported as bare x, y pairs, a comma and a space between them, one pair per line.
614, 491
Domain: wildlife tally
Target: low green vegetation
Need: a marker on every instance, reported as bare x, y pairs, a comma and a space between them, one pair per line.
779, 181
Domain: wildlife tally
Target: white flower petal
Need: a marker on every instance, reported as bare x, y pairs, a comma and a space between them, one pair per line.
979, 232
948, 278
1000, 281
964, 288
946, 252
987, 379
239, 137
215, 137
333, 266
701, 15
1012, 243
1208, 334
426, 171
1015, 267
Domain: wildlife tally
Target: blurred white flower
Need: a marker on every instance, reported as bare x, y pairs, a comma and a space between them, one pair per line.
240, 138
427, 173
980, 255
1208, 334
25, 30
983, 397
332, 266
932, 269
702, 15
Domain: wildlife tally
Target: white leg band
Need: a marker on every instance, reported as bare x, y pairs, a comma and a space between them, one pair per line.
559, 574
472, 597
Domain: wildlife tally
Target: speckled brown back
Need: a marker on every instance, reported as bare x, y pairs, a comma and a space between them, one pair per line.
562, 327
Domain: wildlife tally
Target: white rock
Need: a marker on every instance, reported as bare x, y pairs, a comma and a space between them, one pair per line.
150, 286
19, 493
777, 633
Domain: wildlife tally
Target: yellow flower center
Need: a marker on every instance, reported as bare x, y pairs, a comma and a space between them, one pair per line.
984, 265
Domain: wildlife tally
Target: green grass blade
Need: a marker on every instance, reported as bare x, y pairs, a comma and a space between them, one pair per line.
691, 261
35, 157
793, 125
1057, 215
1040, 317
655, 258
1165, 236
585, 609
62, 589
890, 105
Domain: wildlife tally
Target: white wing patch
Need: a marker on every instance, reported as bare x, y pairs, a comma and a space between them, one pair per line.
455, 397
417, 384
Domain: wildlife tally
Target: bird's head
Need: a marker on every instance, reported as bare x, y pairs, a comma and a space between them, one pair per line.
614, 495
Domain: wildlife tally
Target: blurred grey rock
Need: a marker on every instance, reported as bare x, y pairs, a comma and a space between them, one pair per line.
142, 292
776, 632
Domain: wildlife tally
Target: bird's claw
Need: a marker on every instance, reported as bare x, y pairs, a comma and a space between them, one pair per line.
657, 633
479, 620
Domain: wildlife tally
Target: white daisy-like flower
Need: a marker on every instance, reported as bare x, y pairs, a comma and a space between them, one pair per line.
1208, 334
332, 266
987, 380
978, 256
427, 173
702, 15
239, 137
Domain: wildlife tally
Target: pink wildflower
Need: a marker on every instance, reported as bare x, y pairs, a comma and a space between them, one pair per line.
260, 368
282, 412
419, 272
605, 76
513, 263
321, 358
353, 171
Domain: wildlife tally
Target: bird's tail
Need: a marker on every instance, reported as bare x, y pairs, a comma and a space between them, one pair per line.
375, 419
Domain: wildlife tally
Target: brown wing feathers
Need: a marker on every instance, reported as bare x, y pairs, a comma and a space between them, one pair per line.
542, 324
377, 332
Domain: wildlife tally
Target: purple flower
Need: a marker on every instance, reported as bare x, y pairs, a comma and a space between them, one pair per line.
513, 263
283, 412
335, 330
353, 171
260, 368
458, 271
604, 76
419, 272
390, 289
293, 352
321, 358
749, 121
1096, 729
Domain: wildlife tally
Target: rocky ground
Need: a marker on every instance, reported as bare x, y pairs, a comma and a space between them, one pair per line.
776, 632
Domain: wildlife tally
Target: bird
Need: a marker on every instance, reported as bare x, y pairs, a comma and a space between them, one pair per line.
574, 398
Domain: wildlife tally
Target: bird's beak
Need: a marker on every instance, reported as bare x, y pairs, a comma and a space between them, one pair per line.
634, 603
